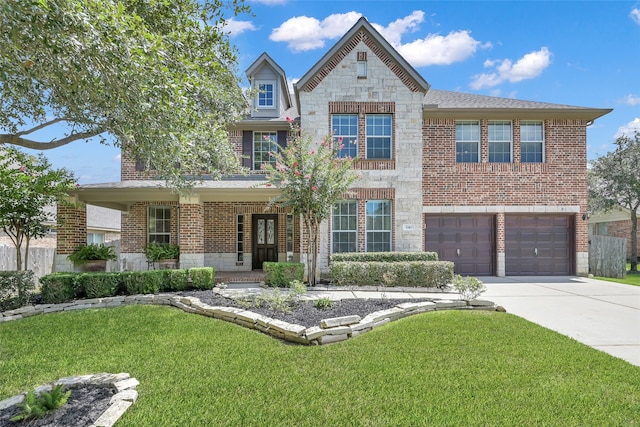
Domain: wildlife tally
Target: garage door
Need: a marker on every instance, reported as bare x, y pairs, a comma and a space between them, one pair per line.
540, 245
467, 240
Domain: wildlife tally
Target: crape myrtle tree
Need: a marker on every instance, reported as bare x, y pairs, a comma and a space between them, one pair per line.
27, 186
614, 180
155, 78
312, 177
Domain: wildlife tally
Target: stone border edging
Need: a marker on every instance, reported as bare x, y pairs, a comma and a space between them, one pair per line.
329, 331
121, 401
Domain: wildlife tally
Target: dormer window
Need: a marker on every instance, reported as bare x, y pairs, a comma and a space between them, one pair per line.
266, 94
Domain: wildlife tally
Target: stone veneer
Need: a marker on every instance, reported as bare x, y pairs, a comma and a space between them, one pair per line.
125, 387
329, 331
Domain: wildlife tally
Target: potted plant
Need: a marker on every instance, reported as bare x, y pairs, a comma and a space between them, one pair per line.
165, 254
92, 257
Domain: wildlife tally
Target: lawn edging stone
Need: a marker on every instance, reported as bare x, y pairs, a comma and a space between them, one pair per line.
329, 331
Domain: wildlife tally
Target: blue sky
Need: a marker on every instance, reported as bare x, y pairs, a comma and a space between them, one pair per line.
584, 53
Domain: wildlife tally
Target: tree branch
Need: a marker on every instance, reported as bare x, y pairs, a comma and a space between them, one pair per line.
15, 139
41, 126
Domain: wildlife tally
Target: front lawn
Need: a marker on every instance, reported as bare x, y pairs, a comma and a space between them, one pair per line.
441, 368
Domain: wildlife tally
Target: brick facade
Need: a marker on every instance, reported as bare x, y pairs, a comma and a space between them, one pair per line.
622, 229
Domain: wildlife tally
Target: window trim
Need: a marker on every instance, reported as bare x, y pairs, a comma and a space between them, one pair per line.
367, 230
478, 152
273, 84
168, 218
489, 140
333, 228
542, 142
257, 166
390, 136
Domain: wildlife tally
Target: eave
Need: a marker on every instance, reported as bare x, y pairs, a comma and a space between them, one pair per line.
588, 114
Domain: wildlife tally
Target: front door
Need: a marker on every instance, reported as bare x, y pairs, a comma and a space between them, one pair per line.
265, 240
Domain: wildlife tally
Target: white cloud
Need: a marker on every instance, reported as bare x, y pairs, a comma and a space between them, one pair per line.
394, 31
117, 158
528, 67
302, 33
629, 129
635, 15
235, 27
291, 82
632, 100
440, 50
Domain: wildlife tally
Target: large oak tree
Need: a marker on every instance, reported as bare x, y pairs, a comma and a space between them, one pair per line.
157, 78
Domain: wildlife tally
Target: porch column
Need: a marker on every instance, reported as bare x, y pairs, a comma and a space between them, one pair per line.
500, 245
191, 231
71, 232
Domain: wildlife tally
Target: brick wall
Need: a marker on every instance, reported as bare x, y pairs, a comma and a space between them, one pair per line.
73, 230
622, 229
134, 226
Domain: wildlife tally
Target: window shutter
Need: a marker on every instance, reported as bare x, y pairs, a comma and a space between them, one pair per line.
282, 139
247, 149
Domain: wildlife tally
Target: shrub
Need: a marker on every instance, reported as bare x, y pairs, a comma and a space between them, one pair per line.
140, 282
470, 288
323, 303
202, 277
60, 287
281, 274
384, 256
157, 251
174, 280
16, 288
98, 285
92, 252
436, 274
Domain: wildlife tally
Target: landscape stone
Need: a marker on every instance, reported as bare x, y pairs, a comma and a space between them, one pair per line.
339, 321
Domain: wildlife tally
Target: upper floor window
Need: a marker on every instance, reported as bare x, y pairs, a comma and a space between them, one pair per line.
468, 142
362, 65
500, 137
159, 224
344, 226
345, 132
378, 226
264, 143
378, 136
266, 94
531, 142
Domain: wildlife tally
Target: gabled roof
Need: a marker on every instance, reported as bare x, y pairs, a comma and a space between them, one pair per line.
265, 58
363, 31
442, 102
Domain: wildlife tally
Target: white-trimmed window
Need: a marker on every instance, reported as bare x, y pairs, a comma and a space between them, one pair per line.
266, 94
467, 141
500, 138
531, 142
344, 226
345, 132
264, 143
378, 226
378, 136
159, 224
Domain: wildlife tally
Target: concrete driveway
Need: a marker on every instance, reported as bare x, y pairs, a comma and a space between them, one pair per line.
603, 315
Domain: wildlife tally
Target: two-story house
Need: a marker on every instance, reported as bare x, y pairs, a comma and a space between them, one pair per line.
496, 185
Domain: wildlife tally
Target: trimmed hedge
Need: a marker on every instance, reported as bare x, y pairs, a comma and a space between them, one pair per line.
431, 274
281, 274
202, 277
60, 287
64, 287
16, 288
384, 256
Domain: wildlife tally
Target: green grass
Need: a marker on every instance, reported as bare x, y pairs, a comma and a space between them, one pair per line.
444, 368
629, 279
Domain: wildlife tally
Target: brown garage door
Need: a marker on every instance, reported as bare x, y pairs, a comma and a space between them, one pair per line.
467, 240
539, 245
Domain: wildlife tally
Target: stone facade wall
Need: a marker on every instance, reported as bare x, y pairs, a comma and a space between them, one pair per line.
340, 91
